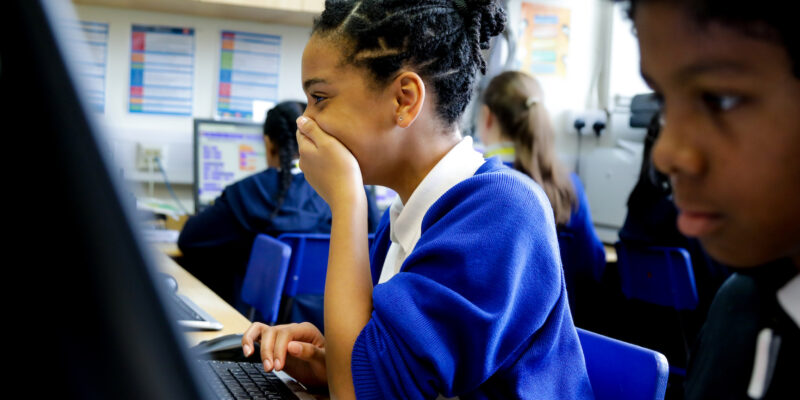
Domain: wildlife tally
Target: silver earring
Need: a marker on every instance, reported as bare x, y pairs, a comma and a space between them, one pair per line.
399, 118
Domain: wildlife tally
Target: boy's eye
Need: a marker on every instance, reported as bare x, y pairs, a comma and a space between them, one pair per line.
317, 99
720, 103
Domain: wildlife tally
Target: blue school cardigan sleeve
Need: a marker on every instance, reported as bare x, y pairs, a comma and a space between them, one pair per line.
479, 308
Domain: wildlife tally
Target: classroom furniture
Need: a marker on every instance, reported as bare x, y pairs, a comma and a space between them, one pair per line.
623, 371
191, 287
265, 277
659, 275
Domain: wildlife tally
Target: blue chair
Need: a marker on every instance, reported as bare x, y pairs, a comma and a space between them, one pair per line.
659, 275
265, 277
305, 280
623, 371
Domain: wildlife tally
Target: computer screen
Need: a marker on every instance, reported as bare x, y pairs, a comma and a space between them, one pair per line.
87, 293
224, 152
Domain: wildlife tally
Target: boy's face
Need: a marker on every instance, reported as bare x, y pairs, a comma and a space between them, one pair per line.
731, 136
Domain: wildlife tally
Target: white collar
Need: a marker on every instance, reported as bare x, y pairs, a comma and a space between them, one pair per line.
458, 164
789, 299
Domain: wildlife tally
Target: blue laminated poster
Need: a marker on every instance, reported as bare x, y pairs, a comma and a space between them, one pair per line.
162, 70
92, 73
248, 75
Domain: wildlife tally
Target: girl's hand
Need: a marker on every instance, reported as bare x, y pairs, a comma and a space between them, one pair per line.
328, 165
297, 348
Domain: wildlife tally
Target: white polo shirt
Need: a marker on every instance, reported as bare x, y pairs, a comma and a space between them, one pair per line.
458, 164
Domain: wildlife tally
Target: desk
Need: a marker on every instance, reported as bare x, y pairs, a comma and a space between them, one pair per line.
191, 287
170, 249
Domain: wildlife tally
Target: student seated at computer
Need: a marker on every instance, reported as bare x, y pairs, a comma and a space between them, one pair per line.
513, 114
216, 243
728, 73
454, 298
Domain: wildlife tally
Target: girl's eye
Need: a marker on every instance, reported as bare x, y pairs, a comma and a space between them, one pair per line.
317, 99
721, 103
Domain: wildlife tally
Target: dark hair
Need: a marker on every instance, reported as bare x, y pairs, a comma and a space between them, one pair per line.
280, 127
516, 99
441, 40
766, 19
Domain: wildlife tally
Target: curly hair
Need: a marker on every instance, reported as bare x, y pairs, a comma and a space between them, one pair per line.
767, 19
441, 40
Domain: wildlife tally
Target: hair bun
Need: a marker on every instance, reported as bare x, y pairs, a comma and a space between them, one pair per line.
488, 15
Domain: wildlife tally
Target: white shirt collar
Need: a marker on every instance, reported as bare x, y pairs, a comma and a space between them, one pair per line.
789, 298
458, 164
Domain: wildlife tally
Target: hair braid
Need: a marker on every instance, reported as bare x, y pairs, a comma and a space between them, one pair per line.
439, 39
279, 128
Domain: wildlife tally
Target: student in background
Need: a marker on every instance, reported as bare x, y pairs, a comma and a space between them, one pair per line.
453, 299
729, 76
216, 243
513, 114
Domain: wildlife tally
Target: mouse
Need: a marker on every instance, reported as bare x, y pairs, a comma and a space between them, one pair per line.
225, 347
170, 282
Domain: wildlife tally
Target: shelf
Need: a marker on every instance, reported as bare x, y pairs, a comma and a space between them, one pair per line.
284, 12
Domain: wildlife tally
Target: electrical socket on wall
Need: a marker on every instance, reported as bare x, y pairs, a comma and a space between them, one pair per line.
147, 153
594, 121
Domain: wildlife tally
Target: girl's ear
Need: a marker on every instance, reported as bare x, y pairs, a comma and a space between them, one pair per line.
409, 94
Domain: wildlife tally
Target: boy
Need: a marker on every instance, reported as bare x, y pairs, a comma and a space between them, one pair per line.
729, 78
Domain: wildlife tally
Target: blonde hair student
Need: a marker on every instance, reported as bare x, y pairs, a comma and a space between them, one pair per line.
513, 115
453, 299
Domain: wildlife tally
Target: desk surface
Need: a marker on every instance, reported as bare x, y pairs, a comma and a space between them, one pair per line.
200, 294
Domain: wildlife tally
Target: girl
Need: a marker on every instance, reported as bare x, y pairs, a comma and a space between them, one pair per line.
216, 243
453, 298
513, 112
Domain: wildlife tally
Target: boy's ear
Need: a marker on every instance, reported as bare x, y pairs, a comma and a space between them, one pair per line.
409, 93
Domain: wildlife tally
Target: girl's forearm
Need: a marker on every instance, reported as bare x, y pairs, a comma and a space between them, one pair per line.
348, 291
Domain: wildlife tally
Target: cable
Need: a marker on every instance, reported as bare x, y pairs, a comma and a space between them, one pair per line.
169, 187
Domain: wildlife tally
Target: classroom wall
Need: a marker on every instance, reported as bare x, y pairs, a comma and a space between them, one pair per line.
585, 85
174, 133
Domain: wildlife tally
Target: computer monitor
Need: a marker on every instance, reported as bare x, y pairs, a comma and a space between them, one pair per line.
89, 317
224, 152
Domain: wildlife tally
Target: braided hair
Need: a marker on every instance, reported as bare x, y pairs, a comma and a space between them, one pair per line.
516, 99
280, 128
441, 40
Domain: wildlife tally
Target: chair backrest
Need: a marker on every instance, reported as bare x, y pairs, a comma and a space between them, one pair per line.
309, 263
658, 275
266, 275
623, 371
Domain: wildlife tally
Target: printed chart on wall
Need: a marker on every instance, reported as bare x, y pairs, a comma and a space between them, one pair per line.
544, 39
248, 75
162, 70
92, 72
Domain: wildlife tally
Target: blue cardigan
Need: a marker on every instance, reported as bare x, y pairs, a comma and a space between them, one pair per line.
479, 308
582, 253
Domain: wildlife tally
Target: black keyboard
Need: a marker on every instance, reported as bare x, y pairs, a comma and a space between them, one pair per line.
244, 380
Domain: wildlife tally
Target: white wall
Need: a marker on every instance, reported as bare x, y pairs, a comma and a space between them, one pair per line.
574, 91
174, 133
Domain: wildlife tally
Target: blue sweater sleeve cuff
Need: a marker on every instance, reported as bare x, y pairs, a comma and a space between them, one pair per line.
364, 379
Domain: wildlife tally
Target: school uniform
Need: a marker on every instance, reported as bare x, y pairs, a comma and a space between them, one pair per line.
581, 249
216, 243
749, 346
469, 296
